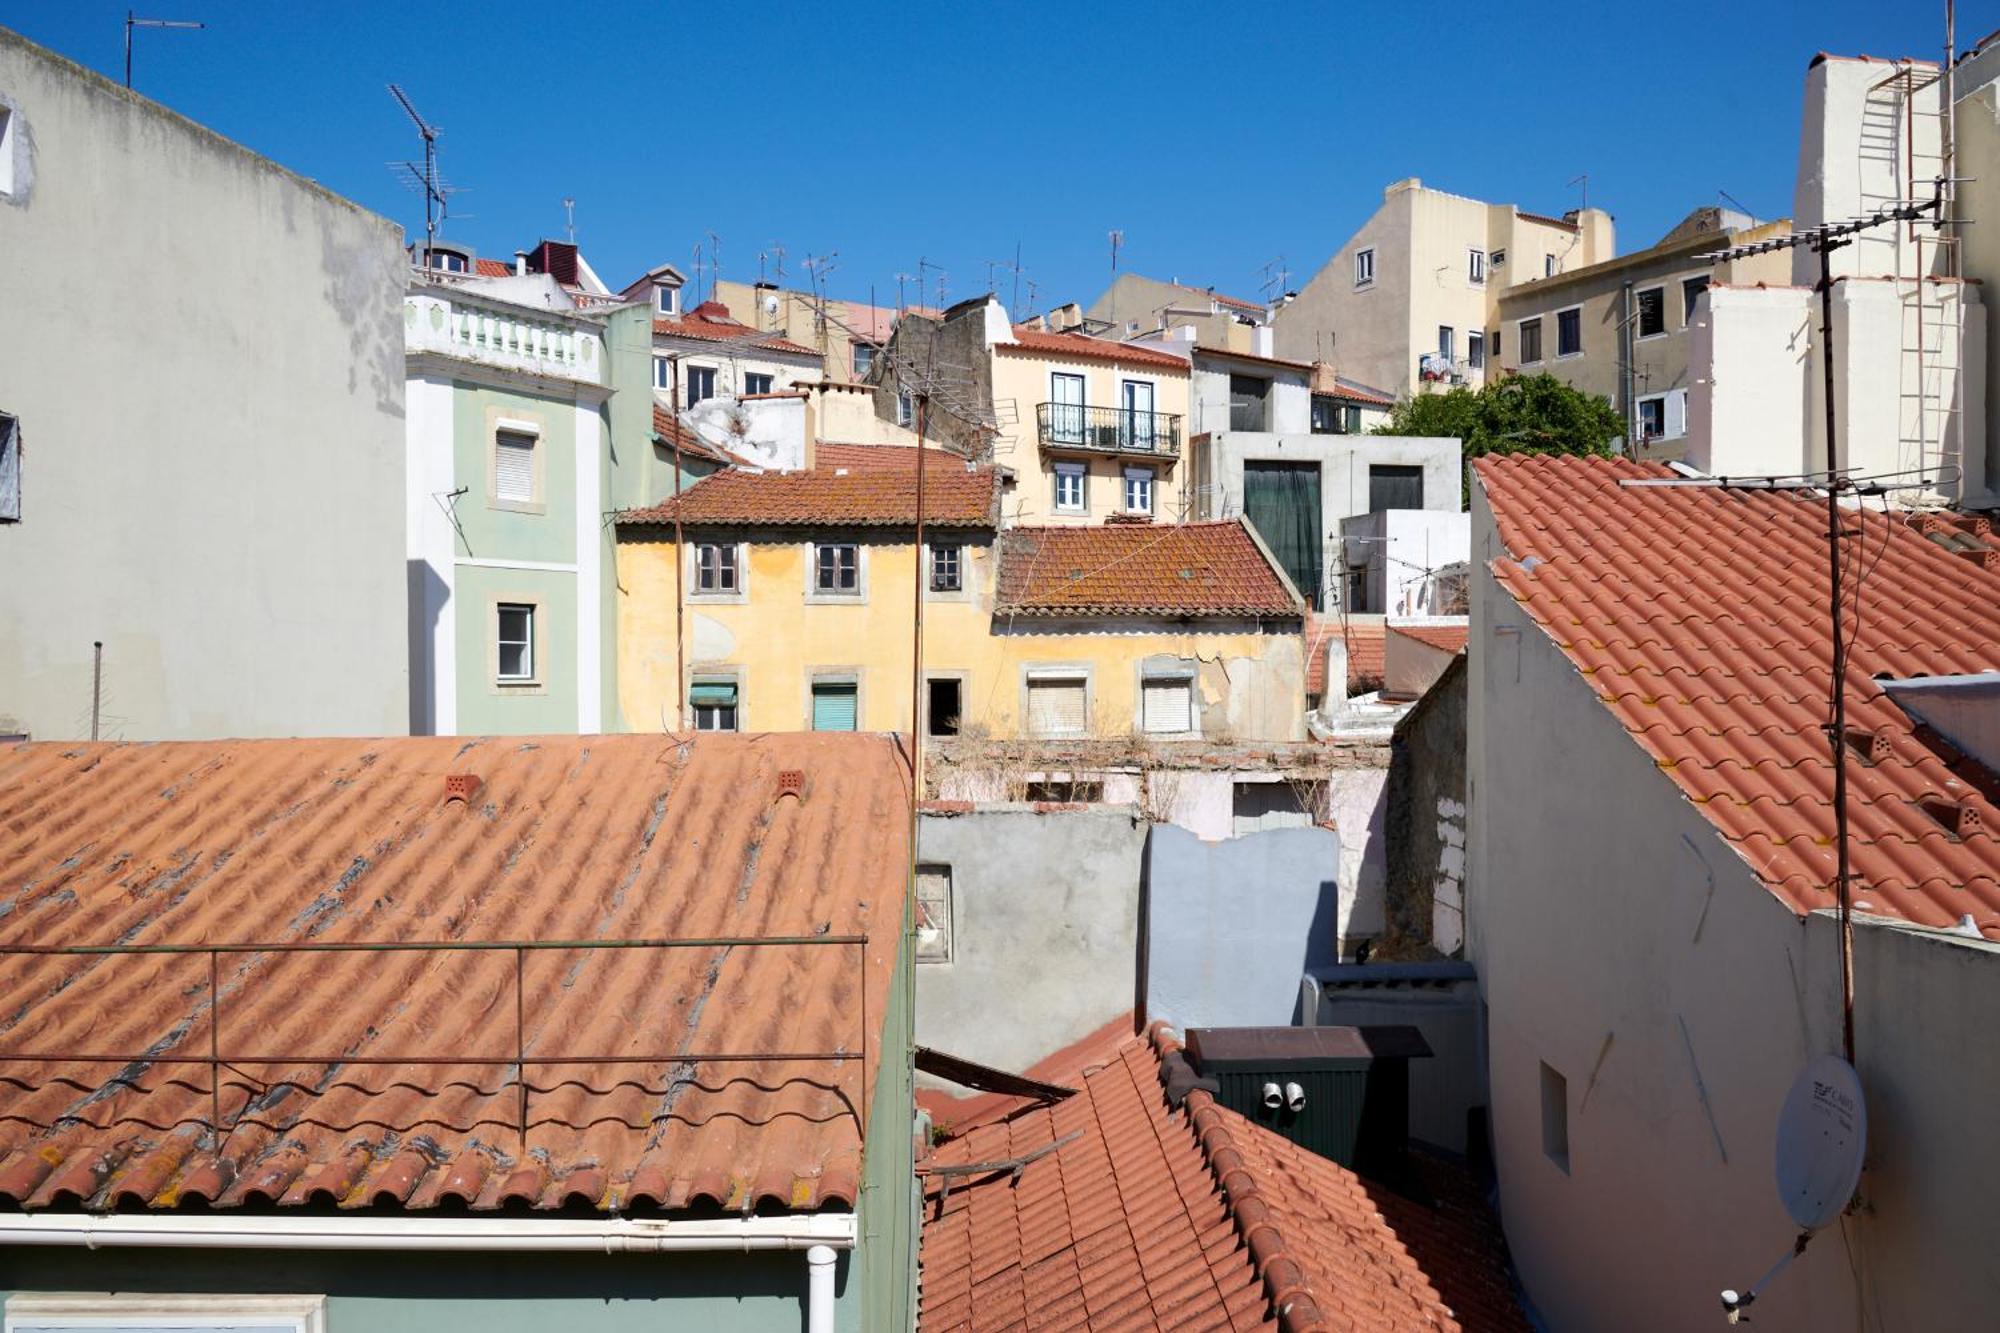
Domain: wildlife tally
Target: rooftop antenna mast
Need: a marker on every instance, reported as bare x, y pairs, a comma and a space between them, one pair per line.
434, 188
1117, 240
1275, 280
1582, 179
714, 262
569, 218
132, 22
901, 280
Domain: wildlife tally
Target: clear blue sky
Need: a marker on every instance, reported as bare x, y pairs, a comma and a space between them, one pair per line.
1216, 136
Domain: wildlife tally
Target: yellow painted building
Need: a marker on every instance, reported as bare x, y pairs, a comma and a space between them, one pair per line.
797, 590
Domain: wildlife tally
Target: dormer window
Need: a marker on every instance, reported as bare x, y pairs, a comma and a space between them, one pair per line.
446, 260
667, 299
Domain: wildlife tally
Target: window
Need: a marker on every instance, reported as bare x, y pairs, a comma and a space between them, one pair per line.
1247, 395
1395, 486
6, 151
933, 914
1569, 332
755, 383
1262, 805
1166, 705
1353, 420
1531, 341
1691, 290
837, 569
515, 637
1652, 312
1066, 791
834, 705
1136, 422
1652, 418
864, 360
1555, 1118
514, 466
1548, 266
1058, 705
1066, 414
1475, 266
1069, 488
1357, 590
944, 704
1364, 267
947, 567
1493, 341
714, 704
1138, 490
1498, 259
10, 469
448, 261
1475, 350
35, 1312
663, 371
715, 568
906, 408
668, 298
700, 384
1325, 415
1446, 339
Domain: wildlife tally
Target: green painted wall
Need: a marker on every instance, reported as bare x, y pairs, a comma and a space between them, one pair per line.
488, 709
487, 532
384, 1292
887, 1255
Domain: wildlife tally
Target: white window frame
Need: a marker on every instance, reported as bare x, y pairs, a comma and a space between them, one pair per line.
906, 409
667, 298
1475, 349
1081, 471
1364, 267
1638, 304
1146, 476
957, 550
940, 952
1475, 267
712, 677
770, 381
39, 1310
1561, 355
1182, 678
537, 461
861, 358
714, 374
1521, 343
663, 374
738, 559
499, 676
1639, 412
1548, 266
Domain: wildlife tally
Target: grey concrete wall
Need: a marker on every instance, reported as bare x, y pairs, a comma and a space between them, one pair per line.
1424, 832
1045, 918
1447, 1087
1234, 925
205, 354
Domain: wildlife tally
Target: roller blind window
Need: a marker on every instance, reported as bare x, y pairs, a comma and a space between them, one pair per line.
514, 466
1058, 706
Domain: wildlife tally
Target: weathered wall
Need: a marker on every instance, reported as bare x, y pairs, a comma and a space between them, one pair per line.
1045, 919
205, 353
1444, 1089
1424, 831
1232, 926
1977, 139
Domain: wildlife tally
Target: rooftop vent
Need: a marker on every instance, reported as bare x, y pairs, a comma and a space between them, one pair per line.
792, 782
461, 787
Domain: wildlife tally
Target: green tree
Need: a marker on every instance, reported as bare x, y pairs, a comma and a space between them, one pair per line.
1515, 414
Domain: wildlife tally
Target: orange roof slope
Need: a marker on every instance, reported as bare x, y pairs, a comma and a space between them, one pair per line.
1190, 1218
1365, 652
350, 841
1445, 638
1698, 616
711, 322
691, 445
954, 497
1027, 339
1182, 569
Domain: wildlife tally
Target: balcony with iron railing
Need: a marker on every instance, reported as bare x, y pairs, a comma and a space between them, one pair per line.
1072, 427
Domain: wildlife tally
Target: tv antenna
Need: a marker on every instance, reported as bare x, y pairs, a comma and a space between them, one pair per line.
772, 255
1582, 179
1822, 1137
436, 193
1117, 240
901, 280
1728, 198
569, 218
132, 22
1276, 278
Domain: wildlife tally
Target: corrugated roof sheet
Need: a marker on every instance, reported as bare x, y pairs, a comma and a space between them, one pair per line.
1698, 616
1190, 1218
1027, 339
954, 496
1178, 569
344, 841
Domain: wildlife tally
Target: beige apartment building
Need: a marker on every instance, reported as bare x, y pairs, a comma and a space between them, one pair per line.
846, 334
1134, 306
1619, 329
1407, 301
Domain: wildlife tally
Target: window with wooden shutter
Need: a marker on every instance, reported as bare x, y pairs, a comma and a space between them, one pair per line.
834, 705
514, 466
1058, 706
1167, 706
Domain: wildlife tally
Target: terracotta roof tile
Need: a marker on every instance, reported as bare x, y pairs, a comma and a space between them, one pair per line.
691, 444
492, 268
1446, 638
899, 456
1227, 354
954, 496
711, 322
352, 841
1698, 617
1039, 341
1365, 651
1179, 569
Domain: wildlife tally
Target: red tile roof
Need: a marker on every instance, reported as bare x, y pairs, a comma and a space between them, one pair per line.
899, 456
1360, 393
352, 841
711, 322
1173, 569
492, 268
1698, 616
1042, 343
1445, 638
1189, 1218
1365, 651
954, 496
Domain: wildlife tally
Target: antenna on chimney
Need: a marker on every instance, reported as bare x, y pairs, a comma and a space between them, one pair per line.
131, 23
436, 192
1584, 181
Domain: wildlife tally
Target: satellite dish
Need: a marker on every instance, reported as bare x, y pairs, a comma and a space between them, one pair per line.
770, 305
1822, 1134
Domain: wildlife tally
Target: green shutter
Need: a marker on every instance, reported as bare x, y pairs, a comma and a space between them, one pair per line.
833, 707
714, 692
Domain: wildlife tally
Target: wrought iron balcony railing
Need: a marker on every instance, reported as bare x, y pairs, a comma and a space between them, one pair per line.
1110, 430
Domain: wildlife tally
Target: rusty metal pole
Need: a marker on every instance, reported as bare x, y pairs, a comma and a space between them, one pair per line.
96, 684
1837, 727
680, 558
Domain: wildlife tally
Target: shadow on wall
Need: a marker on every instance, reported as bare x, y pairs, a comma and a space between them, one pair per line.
428, 595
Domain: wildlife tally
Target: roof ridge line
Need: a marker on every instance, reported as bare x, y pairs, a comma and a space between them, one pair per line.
1286, 1284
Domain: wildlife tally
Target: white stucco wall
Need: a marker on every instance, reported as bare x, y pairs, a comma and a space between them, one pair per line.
205, 353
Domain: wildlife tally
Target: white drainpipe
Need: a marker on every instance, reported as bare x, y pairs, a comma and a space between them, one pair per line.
819, 1289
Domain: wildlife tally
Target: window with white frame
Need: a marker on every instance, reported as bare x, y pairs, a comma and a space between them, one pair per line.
947, 567
700, 384
1531, 341
10, 469
755, 383
1364, 267
715, 702
6, 151
514, 636
514, 466
1475, 350
668, 298
38, 1312
1652, 417
1475, 266
1058, 704
1548, 266
663, 373
1166, 705
837, 569
717, 568
1498, 259
1446, 340
1069, 488
864, 360
1569, 332
933, 914
1652, 312
1138, 490
906, 408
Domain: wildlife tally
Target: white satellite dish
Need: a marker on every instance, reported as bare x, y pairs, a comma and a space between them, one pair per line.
1822, 1134
770, 305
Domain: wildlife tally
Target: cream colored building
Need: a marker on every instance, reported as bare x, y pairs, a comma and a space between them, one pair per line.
847, 335
1619, 328
1413, 292
1135, 305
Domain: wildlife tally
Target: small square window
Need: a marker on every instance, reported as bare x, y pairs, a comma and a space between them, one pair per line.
933, 914
1555, 1118
944, 700
1069, 488
1167, 705
837, 569
755, 383
1364, 267
947, 568
715, 704
1569, 332
1138, 490
1652, 312
1475, 266
515, 635
514, 466
716, 568
1498, 259
700, 384
10, 469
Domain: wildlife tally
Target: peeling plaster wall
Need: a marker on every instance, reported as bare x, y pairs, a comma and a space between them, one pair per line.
205, 353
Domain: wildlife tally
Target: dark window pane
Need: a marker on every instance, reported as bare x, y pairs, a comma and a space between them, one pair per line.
1395, 486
